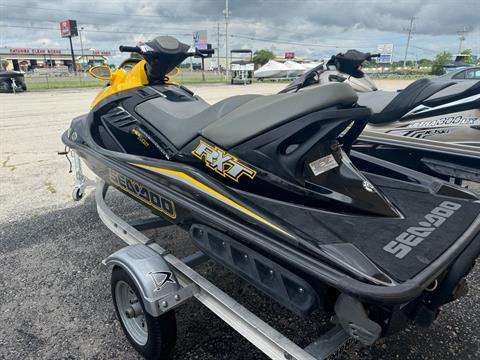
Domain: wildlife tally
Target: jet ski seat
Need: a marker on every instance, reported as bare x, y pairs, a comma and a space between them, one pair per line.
389, 106
238, 118
409, 98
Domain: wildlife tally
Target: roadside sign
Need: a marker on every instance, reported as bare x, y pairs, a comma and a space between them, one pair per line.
200, 39
289, 55
386, 54
68, 28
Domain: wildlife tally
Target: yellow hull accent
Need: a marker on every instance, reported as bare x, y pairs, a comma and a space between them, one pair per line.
194, 182
122, 81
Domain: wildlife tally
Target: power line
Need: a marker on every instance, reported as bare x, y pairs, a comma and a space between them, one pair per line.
127, 25
97, 12
93, 31
279, 41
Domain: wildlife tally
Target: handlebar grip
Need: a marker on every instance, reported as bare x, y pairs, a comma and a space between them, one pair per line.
375, 55
129, 48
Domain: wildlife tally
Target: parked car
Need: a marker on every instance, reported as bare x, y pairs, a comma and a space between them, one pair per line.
465, 74
12, 81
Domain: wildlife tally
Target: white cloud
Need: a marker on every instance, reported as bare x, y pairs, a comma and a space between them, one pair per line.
319, 28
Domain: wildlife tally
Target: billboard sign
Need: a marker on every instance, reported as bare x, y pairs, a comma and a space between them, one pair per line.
68, 28
386, 54
289, 55
39, 53
200, 39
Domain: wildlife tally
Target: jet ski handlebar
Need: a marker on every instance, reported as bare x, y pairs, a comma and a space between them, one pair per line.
129, 49
191, 51
371, 56
162, 54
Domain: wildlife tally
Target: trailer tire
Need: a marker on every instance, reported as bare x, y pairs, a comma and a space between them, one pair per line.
157, 338
77, 194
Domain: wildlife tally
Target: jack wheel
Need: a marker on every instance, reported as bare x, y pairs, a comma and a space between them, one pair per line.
77, 194
153, 337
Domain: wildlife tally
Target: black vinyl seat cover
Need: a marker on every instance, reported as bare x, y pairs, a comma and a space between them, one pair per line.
238, 118
267, 112
180, 122
409, 98
469, 91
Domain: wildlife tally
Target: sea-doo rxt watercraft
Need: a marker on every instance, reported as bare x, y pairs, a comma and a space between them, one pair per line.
266, 186
447, 112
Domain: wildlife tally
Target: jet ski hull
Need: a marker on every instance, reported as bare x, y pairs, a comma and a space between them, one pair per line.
456, 127
193, 206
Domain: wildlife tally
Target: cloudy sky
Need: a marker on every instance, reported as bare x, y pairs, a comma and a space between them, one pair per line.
313, 28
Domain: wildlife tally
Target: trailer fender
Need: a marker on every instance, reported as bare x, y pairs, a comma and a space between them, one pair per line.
159, 288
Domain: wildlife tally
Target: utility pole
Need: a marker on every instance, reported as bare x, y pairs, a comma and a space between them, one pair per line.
218, 48
461, 37
73, 55
410, 30
81, 48
227, 14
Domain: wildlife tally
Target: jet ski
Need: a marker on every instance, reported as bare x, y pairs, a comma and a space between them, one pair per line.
407, 125
267, 187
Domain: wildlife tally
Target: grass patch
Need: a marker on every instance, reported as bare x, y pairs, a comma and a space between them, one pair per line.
40, 83
47, 83
50, 187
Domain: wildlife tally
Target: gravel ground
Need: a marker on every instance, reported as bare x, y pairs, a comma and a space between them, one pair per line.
56, 300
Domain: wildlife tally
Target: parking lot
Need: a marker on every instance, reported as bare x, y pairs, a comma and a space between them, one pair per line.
55, 299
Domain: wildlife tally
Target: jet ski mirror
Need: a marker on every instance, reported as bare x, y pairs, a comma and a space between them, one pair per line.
101, 72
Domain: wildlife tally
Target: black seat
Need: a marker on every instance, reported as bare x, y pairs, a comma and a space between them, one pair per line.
267, 112
408, 99
459, 91
180, 122
236, 119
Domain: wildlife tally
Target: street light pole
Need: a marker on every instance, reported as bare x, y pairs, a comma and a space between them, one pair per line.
81, 46
408, 41
218, 48
73, 55
227, 13
461, 37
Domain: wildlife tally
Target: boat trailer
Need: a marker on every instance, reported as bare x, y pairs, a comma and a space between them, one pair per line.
143, 259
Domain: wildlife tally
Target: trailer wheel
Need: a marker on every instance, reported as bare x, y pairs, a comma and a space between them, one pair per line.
77, 194
153, 337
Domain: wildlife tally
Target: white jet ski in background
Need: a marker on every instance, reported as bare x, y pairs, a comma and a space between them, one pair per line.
294, 69
271, 70
408, 125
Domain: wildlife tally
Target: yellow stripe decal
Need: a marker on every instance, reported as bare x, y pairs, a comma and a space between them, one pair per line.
194, 182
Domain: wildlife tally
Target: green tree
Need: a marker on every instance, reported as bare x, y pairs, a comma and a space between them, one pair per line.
467, 52
261, 57
441, 59
425, 62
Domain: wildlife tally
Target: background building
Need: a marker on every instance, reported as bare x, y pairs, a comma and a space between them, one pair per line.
27, 59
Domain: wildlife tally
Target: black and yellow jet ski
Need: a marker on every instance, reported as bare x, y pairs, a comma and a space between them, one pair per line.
270, 178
